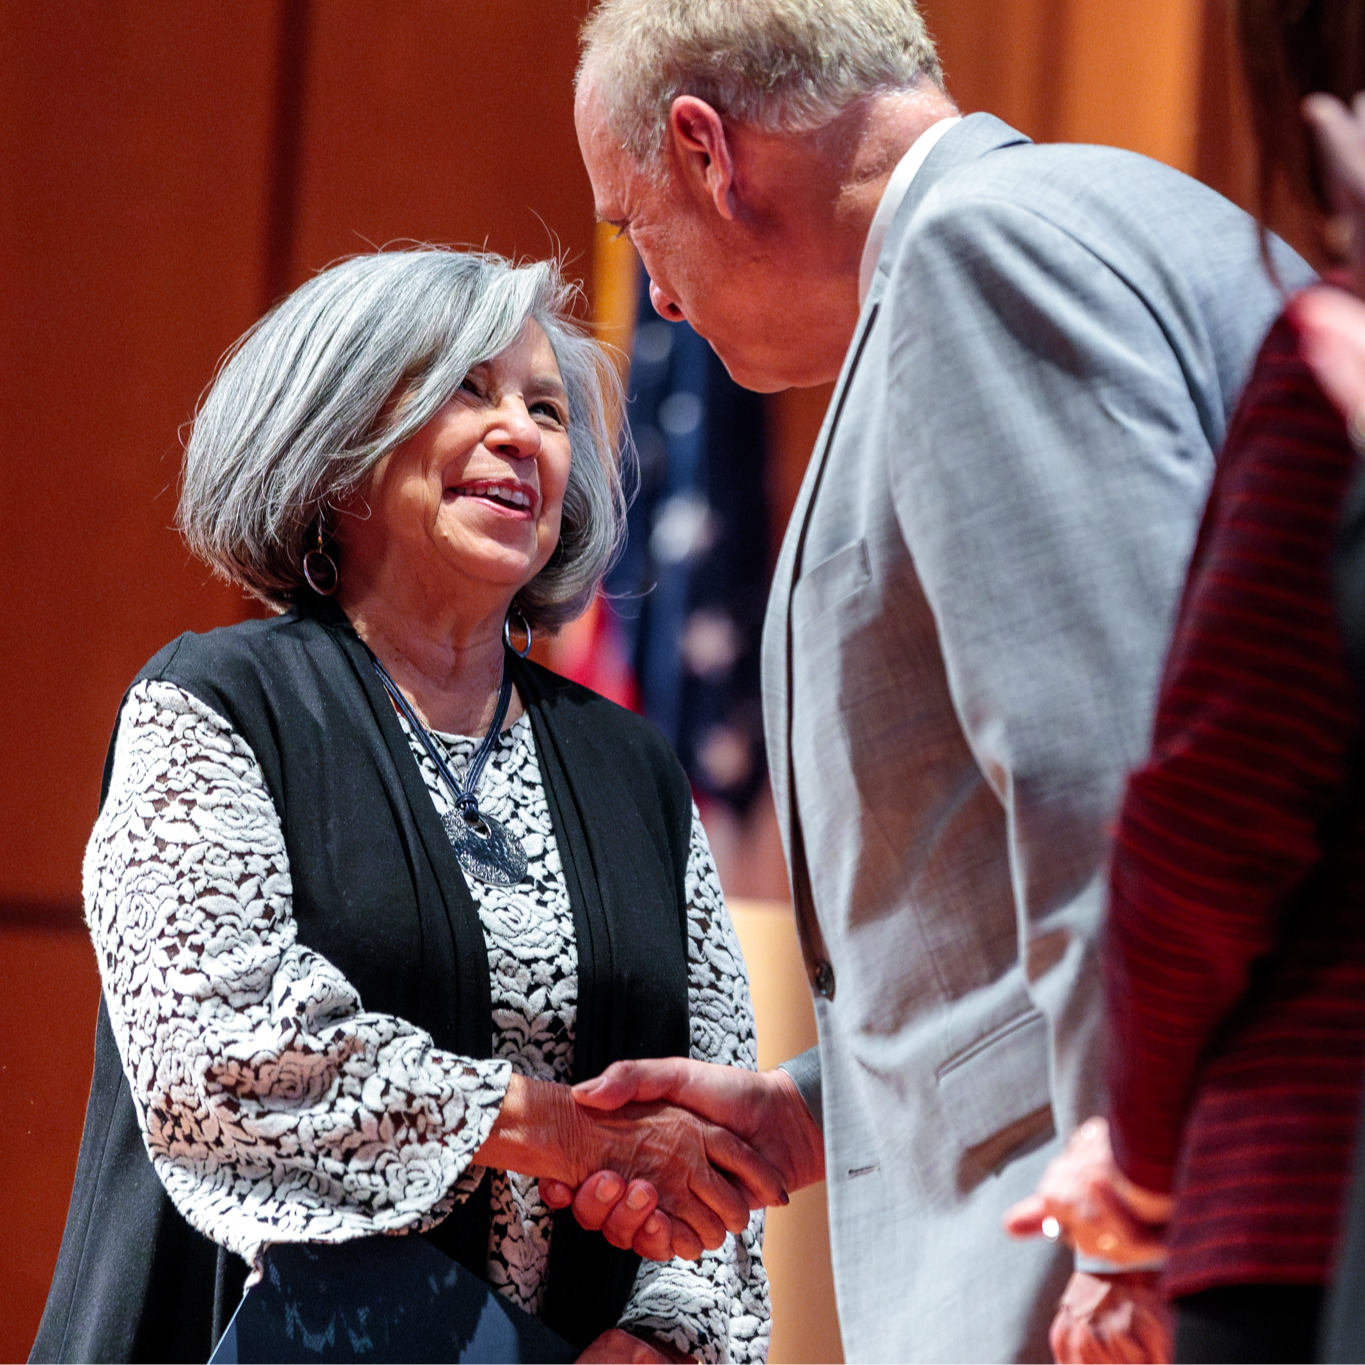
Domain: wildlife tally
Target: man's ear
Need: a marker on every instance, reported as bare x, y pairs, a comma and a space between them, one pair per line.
705, 157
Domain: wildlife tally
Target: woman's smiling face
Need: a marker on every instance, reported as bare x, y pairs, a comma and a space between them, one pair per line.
471, 502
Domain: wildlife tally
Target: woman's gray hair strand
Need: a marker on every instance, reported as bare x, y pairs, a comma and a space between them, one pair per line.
300, 413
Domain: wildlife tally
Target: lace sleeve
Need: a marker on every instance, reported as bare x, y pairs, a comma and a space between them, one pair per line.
273, 1106
715, 1308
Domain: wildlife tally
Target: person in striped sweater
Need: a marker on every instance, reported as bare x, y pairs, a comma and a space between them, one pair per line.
1235, 942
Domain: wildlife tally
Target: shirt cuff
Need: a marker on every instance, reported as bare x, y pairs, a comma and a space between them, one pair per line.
805, 1071
1097, 1265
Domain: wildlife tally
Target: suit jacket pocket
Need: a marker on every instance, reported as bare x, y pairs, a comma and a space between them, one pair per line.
997, 1092
832, 580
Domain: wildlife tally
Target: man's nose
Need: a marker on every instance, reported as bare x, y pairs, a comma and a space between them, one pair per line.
663, 305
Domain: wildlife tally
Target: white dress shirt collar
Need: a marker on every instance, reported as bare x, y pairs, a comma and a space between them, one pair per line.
895, 192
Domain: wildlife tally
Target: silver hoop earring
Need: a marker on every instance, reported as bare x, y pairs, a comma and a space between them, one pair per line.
320, 569
522, 624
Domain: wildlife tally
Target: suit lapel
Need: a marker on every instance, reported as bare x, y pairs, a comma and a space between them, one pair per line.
974, 137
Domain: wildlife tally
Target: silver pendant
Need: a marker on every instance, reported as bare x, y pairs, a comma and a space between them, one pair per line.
484, 848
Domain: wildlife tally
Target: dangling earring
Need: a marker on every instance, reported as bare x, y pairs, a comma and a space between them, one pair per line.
320, 569
522, 625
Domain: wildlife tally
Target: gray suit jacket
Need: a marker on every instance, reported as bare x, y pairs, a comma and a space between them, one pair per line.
960, 660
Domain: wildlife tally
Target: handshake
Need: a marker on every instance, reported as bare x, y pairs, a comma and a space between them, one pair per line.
680, 1151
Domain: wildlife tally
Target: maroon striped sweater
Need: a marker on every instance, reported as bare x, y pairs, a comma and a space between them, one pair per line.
1235, 949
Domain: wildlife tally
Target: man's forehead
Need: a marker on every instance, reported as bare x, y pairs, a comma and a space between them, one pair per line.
609, 165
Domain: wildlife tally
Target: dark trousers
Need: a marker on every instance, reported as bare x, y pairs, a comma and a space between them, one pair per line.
1249, 1322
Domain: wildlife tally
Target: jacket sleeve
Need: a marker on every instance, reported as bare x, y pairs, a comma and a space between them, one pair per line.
1234, 810
274, 1107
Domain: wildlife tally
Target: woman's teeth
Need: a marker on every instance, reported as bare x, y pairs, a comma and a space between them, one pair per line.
509, 497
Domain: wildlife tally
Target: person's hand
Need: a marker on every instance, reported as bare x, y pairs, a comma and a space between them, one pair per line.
626, 1214
765, 1109
620, 1345
1340, 135
1120, 1317
684, 1157
1331, 327
1085, 1199
541, 1131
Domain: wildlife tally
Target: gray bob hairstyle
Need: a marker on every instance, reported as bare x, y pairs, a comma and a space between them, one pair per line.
299, 414
779, 65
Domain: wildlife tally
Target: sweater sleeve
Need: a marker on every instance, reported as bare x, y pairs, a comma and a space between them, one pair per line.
1256, 717
274, 1107
716, 1308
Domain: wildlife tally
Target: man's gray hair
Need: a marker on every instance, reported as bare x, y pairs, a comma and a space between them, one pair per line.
778, 65
300, 413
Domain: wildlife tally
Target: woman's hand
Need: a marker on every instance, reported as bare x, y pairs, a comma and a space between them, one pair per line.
1331, 327
618, 1344
764, 1109
1085, 1199
1340, 134
683, 1157
540, 1131
1111, 1318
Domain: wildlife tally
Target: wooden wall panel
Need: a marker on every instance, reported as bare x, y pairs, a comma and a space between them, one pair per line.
132, 139
48, 1006
443, 123
1079, 70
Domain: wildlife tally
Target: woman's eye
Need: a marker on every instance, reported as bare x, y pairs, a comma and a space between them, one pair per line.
471, 385
552, 411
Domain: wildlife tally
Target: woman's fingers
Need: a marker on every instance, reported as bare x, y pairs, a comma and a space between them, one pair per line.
628, 1216
1084, 1199
667, 1147
1026, 1218
656, 1241
1096, 1224
555, 1194
1331, 328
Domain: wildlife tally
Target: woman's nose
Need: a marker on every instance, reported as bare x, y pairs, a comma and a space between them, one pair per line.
514, 429
663, 305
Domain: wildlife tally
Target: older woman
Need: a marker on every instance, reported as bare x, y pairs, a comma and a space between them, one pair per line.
367, 888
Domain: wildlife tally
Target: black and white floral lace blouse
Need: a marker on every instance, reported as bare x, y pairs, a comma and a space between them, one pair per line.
276, 1108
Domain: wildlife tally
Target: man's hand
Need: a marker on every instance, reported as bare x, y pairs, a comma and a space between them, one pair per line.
657, 1148
765, 1110
1113, 1318
683, 1157
1085, 1199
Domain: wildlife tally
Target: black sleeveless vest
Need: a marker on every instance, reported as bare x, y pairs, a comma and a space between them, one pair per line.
377, 891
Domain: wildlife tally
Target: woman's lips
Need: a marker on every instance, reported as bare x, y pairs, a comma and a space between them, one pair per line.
515, 499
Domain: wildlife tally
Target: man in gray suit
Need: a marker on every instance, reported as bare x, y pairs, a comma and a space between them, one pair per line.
1037, 350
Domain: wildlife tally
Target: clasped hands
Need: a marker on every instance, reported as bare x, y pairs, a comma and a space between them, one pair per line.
1085, 1200
760, 1143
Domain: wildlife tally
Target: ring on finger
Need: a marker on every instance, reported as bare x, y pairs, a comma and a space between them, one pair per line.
1051, 1228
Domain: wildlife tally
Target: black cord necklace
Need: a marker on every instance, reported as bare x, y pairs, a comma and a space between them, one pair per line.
486, 849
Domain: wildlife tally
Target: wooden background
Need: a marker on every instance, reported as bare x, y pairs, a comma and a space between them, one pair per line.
166, 171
